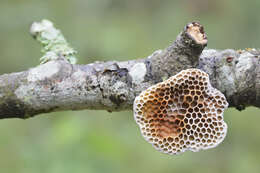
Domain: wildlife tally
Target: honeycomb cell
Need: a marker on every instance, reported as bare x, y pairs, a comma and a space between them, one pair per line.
182, 113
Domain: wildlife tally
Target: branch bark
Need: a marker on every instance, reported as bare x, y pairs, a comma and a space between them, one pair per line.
59, 85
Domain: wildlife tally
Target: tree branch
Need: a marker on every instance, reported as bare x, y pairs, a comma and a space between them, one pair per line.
60, 85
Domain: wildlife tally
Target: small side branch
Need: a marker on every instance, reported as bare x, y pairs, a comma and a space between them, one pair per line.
60, 85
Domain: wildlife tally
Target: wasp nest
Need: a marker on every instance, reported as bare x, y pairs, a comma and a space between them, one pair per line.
182, 113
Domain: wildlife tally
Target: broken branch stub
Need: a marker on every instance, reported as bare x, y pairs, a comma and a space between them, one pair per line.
182, 54
182, 113
196, 32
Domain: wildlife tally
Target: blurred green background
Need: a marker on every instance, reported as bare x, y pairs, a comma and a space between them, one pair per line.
98, 141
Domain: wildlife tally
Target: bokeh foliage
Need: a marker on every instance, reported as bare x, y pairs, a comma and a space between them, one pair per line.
98, 141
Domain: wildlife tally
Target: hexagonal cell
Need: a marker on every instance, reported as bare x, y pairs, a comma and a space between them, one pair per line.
182, 113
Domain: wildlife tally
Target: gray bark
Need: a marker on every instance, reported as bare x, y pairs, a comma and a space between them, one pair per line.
59, 85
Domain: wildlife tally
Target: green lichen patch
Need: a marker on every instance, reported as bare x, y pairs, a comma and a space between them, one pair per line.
54, 44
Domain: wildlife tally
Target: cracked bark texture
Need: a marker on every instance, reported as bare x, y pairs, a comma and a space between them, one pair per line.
59, 85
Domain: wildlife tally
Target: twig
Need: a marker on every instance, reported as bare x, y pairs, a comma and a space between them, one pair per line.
59, 85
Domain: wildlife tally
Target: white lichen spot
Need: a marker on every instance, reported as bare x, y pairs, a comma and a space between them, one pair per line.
226, 80
43, 71
45, 27
23, 94
208, 52
137, 72
243, 68
80, 76
245, 62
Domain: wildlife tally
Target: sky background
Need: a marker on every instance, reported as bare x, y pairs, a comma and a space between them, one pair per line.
98, 141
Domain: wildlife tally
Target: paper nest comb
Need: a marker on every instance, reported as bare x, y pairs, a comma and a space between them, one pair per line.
182, 113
